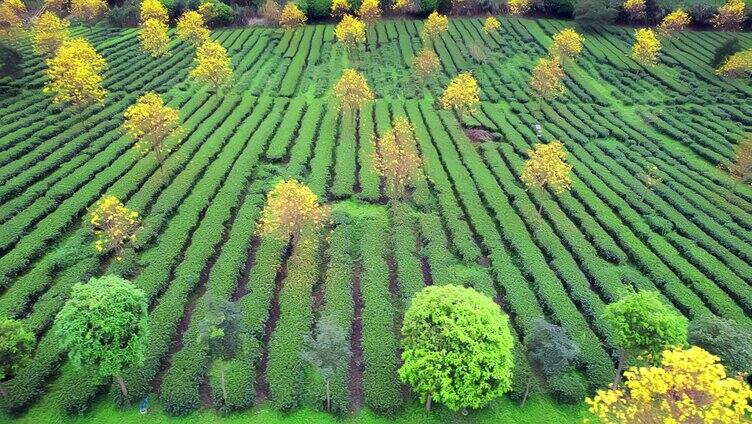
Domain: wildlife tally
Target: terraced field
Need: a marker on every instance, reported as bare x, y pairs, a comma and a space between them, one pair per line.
471, 221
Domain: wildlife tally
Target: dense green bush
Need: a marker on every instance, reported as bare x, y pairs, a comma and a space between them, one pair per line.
570, 387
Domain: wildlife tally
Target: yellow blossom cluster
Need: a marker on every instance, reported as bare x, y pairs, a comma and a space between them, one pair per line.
396, 158
434, 26
339, 8
48, 33
207, 10
292, 16
351, 90
350, 31
635, 8
567, 43
491, 24
212, 64
153, 9
462, 94
548, 78
426, 64
369, 11
88, 10
519, 7
11, 17
75, 74
690, 386
402, 6
731, 15
113, 224
151, 123
677, 20
646, 47
153, 37
292, 207
191, 28
270, 11
737, 65
546, 166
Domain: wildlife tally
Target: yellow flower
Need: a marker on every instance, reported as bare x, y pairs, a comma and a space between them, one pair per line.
352, 90
49, 33
212, 64
154, 38
519, 7
731, 15
290, 208
339, 8
350, 31
646, 47
292, 16
674, 21
546, 166
153, 9
491, 24
75, 74
191, 27
737, 65
567, 43
369, 11
435, 25
462, 94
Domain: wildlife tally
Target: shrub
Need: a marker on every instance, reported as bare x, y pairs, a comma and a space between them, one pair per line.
724, 51
569, 387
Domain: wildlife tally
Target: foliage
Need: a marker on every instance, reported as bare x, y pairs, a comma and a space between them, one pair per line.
351, 32
271, 12
150, 123
725, 338
191, 28
428, 5
340, 8
396, 157
402, 6
646, 47
547, 78
689, 386
426, 64
594, 12
153, 37
75, 74
88, 10
221, 328
10, 60
212, 65
369, 11
724, 51
738, 65
550, 349
327, 350
491, 24
153, 9
291, 16
730, 16
291, 207
114, 225
462, 94
48, 33
635, 8
104, 325
567, 43
678, 20
547, 167
351, 91
11, 18
519, 7
740, 168
457, 348
58, 7
433, 27
16, 346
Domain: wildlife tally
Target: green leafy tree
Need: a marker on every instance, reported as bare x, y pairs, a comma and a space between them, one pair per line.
16, 346
104, 325
724, 338
327, 350
592, 12
457, 347
642, 324
551, 351
221, 329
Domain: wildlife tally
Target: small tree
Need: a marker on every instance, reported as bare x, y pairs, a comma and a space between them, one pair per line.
456, 347
724, 338
292, 17
567, 43
351, 92
491, 25
191, 28
351, 32
738, 65
640, 323
290, 208
104, 325
548, 79
646, 47
635, 9
730, 16
16, 347
88, 10
547, 167
433, 27
369, 11
402, 6
48, 33
519, 7
212, 65
327, 350
396, 158
461, 95
678, 20
75, 74
650, 178
339, 8
426, 65
153, 37
114, 225
592, 12
271, 12
551, 351
221, 328
741, 168
150, 123
153, 9
11, 18
690, 386
59, 7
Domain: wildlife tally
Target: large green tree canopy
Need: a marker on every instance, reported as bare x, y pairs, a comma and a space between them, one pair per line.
457, 347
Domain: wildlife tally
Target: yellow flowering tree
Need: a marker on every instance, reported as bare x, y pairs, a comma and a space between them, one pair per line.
88, 10
730, 16
426, 65
351, 32
433, 27
291, 16
207, 10
402, 6
154, 38
352, 91
646, 47
396, 159
48, 33
369, 11
678, 20
191, 28
491, 25
153, 9
635, 9
271, 12
151, 123
212, 65
114, 225
741, 168
567, 43
75, 74
339, 8
292, 207
546, 166
690, 386
519, 7
462, 94
11, 17
737, 65
548, 79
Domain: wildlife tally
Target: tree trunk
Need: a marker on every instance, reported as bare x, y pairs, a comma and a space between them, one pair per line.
328, 397
619, 369
224, 384
540, 209
428, 402
527, 391
123, 389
